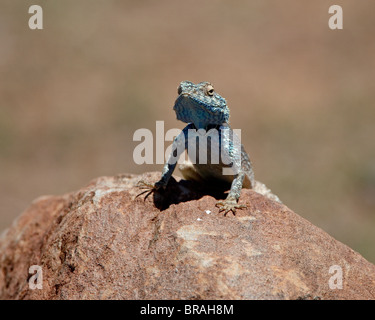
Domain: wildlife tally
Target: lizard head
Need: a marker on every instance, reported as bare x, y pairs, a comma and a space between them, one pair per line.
200, 104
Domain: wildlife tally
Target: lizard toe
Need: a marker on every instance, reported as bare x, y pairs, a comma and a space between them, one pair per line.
229, 205
146, 187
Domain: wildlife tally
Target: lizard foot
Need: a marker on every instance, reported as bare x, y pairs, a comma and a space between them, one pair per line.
229, 205
148, 188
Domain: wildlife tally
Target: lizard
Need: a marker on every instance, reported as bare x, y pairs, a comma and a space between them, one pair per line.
205, 111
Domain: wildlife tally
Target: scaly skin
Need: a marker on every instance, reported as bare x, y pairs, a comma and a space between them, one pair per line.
206, 112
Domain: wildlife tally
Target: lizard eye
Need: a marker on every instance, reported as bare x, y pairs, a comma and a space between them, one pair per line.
210, 90
179, 90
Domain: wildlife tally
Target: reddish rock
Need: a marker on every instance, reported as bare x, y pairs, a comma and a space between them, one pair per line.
102, 243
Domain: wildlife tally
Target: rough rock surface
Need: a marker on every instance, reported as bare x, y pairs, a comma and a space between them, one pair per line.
103, 243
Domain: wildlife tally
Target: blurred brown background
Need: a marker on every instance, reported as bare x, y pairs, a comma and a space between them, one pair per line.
72, 95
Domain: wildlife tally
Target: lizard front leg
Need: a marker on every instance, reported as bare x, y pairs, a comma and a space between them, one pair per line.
178, 147
231, 202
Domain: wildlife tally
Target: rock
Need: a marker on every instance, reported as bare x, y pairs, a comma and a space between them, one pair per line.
103, 243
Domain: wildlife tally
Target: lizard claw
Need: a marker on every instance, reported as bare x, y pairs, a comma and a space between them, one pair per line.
145, 185
148, 188
229, 205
